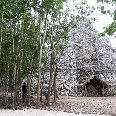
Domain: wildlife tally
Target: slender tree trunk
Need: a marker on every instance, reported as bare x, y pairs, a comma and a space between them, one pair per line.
39, 78
28, 88
39, 67
29, 77
41, 43
16, 83
18, 79
21, 64
1, 35
14, 87
19, 73
55, 76
50, 82
5, 85
51, 70
15, 80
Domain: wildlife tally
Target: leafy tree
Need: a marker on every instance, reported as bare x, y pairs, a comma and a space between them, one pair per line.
25, 28
111, 29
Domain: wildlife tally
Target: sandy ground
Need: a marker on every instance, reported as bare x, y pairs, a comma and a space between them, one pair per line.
85, 105
34, 112
71, 106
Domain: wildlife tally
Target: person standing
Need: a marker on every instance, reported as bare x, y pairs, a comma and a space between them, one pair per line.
24, 92
45, 89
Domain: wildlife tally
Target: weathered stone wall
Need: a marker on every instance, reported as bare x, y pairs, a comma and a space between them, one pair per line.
86, 54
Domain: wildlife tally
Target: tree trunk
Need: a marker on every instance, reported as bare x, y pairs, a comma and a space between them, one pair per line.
39, 78
15, 80
29, 77
7, 85
55, 76
1, 35
51, 70
41, 43
14, 87
28, 88
50, 82
19, 74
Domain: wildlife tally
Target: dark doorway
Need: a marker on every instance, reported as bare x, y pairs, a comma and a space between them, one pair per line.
95, 87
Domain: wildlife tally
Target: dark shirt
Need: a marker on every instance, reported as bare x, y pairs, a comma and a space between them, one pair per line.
24, 88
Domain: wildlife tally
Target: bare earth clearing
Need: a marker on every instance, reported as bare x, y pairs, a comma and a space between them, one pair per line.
37, 112
70, 106
85, 105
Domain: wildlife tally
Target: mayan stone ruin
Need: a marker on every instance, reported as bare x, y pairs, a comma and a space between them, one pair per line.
88, 64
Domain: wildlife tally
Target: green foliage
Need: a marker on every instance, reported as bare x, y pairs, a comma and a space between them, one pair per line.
21, 32
112, 27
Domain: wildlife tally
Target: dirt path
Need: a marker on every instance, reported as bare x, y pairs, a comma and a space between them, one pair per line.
86, 105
